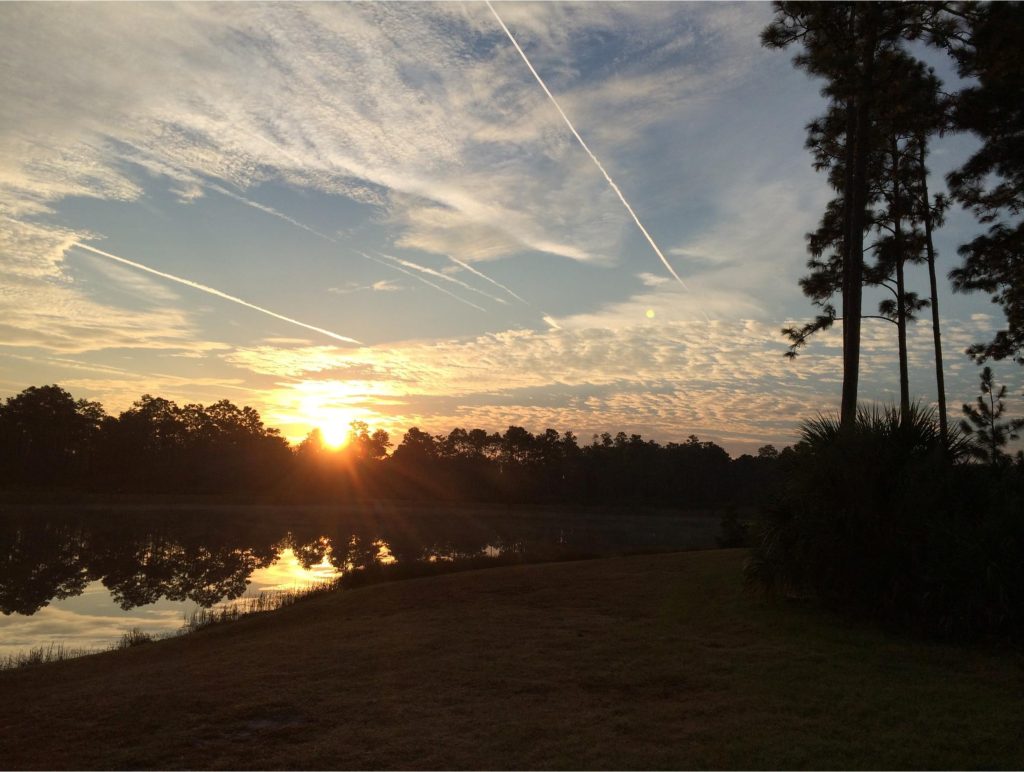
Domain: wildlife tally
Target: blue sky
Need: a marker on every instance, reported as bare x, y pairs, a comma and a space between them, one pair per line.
393, 173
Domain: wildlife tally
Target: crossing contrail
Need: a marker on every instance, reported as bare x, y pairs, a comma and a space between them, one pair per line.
442, 276
484, 276
583, 144
429, 283
216, 292
406, 263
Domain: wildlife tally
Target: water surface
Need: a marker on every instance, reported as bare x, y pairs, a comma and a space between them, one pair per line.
83, 577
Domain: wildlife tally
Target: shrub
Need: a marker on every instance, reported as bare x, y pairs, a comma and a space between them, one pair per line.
734, 530
883, 520
134, 637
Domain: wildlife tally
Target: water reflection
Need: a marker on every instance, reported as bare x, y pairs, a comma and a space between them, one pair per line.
124, 568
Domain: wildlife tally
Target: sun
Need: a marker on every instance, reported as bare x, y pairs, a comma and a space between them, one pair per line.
335, 431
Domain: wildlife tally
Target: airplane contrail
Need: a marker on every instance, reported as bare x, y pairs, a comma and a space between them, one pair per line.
407, 263
482, 275
216, 292
425, 281
583, 144
271, 211
444, 276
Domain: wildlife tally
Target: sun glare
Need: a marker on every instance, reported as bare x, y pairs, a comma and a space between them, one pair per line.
335, 432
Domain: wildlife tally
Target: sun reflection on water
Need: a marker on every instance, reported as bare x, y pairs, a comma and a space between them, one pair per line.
384, 555
288, 573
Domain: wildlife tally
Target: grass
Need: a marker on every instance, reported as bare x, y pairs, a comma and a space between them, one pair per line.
58, 652
267, 600
42, 655
650, 661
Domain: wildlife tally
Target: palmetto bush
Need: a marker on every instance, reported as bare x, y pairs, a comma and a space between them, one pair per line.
886, 520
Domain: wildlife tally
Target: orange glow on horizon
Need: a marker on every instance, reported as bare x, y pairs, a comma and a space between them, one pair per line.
329, 406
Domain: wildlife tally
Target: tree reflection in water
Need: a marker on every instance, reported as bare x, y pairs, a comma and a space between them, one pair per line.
207, 557
139, 560
188, 556
38, 563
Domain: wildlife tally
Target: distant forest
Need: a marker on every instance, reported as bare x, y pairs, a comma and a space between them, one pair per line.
50, 440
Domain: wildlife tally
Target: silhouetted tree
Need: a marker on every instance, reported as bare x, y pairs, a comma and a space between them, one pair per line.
931, 212
909, 115
991, 182
157, 446
46, 436
984, 426
847, 44
416, 467
367, 445
839, 44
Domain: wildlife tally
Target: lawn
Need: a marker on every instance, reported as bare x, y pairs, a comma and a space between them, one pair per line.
650, 661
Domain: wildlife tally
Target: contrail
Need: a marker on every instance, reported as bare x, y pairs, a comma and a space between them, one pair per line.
583, 144
406, 263
497, 284
425, 281
444, 276
271, 211
211, 291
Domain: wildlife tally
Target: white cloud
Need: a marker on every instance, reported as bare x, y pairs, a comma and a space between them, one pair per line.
726, 381
425, 112
342, 97
383, 285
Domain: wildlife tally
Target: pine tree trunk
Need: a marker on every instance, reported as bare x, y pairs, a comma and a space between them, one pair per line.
901, 287
848, 408
853, 263
993, 445
901, 330
940, 380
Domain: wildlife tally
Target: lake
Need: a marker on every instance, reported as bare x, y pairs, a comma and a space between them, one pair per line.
83, 576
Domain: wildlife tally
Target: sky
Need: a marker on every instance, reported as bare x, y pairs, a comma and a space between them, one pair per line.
374, 212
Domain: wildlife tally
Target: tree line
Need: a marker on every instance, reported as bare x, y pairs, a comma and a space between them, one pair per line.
885, 109
49, 439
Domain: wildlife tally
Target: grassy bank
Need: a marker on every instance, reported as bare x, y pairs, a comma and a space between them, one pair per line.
650, 661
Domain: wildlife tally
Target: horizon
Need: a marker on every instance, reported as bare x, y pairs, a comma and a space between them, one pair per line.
377, 213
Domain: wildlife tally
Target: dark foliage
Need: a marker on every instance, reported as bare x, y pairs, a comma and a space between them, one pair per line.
987, 431
735, 530
883, 521
46, 435
991, 182
852, 47
48, 440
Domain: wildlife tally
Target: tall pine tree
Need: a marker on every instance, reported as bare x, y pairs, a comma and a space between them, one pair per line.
842, 43
991, 182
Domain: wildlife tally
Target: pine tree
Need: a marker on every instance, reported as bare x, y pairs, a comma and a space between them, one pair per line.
991, 182
934, 113
843, 43
985, 430
905, 117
